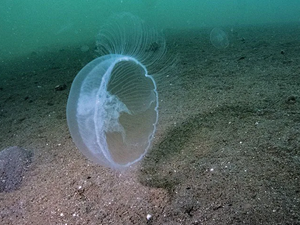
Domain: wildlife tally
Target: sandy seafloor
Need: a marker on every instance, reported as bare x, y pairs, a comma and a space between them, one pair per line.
226, 150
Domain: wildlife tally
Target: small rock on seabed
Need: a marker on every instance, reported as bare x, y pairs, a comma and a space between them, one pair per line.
14, 162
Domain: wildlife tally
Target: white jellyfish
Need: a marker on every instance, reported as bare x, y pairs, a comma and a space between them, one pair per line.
112, 109
219, 38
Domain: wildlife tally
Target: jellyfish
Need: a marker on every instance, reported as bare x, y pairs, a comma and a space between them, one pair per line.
112, 108
219, 38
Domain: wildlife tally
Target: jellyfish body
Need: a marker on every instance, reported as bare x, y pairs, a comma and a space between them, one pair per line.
112, 109
219, 38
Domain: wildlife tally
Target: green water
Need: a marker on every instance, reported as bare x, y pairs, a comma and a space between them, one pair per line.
38, 25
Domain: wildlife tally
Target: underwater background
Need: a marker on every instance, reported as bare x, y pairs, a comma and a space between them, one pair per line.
35, 25
227, 145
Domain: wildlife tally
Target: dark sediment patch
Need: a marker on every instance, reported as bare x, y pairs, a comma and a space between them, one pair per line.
14, 162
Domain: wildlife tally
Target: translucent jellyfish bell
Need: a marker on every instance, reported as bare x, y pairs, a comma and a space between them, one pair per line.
112, 109
219, 38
